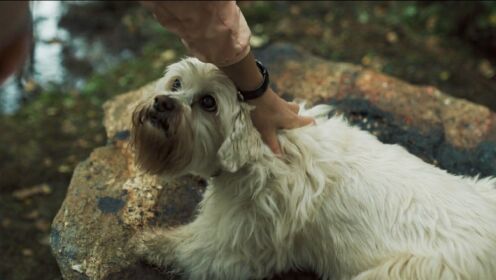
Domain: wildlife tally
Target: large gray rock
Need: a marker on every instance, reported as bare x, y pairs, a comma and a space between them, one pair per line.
109, 199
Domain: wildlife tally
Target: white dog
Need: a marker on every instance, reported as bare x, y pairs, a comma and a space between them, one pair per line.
338, 202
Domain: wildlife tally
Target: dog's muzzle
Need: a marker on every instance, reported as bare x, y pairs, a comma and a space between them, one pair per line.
164, 107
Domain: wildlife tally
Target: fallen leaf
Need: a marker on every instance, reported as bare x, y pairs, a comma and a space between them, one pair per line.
27, 252
35, 190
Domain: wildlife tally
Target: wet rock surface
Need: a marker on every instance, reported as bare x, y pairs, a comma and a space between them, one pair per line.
109, 199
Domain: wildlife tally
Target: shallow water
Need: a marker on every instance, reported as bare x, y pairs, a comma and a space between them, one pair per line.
47, 59
53, 51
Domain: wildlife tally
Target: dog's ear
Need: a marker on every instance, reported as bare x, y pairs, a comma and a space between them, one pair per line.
243, 143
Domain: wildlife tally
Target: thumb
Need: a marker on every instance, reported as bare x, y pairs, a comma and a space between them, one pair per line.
300, 121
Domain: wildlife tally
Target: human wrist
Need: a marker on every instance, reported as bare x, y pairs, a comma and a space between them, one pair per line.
244, 95
266, 98
245, 74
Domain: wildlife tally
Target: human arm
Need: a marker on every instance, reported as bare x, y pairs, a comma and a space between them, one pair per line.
271, 112
216, 32
15, 36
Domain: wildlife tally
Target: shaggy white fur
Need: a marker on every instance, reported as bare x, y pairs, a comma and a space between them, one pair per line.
339, 202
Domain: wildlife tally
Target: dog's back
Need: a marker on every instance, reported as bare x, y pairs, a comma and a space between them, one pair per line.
338, 201
389, 214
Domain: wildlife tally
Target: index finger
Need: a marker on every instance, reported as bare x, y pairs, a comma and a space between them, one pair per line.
270, 139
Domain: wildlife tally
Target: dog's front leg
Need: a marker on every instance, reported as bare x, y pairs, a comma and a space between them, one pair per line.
192, 251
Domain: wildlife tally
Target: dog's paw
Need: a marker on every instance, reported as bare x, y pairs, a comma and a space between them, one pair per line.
138, 243
150, 247
153, 246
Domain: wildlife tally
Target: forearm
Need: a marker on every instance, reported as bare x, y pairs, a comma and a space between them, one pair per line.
15, 36
212, 31
217, 32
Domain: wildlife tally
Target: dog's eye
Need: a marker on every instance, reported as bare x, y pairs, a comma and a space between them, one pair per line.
208, 103
176, 85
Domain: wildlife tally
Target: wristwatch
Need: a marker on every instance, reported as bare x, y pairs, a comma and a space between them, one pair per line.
252, 94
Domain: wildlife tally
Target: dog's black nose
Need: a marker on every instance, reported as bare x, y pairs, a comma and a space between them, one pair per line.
164, 103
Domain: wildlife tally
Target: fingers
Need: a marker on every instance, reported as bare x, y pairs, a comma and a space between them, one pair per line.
294, 107
273, 113
269, 136
298, 121
303, 121
270, 139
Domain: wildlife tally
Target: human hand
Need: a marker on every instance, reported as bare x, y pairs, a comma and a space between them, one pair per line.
272, 113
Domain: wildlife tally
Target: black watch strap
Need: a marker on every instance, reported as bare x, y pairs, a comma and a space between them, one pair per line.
252, 94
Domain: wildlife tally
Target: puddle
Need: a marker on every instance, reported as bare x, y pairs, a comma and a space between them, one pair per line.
59, 59
48, 37
47, 64
10, 96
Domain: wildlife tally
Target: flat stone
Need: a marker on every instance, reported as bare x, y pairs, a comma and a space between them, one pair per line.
108, 199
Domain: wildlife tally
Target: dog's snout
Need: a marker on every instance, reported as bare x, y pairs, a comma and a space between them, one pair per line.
164, 103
